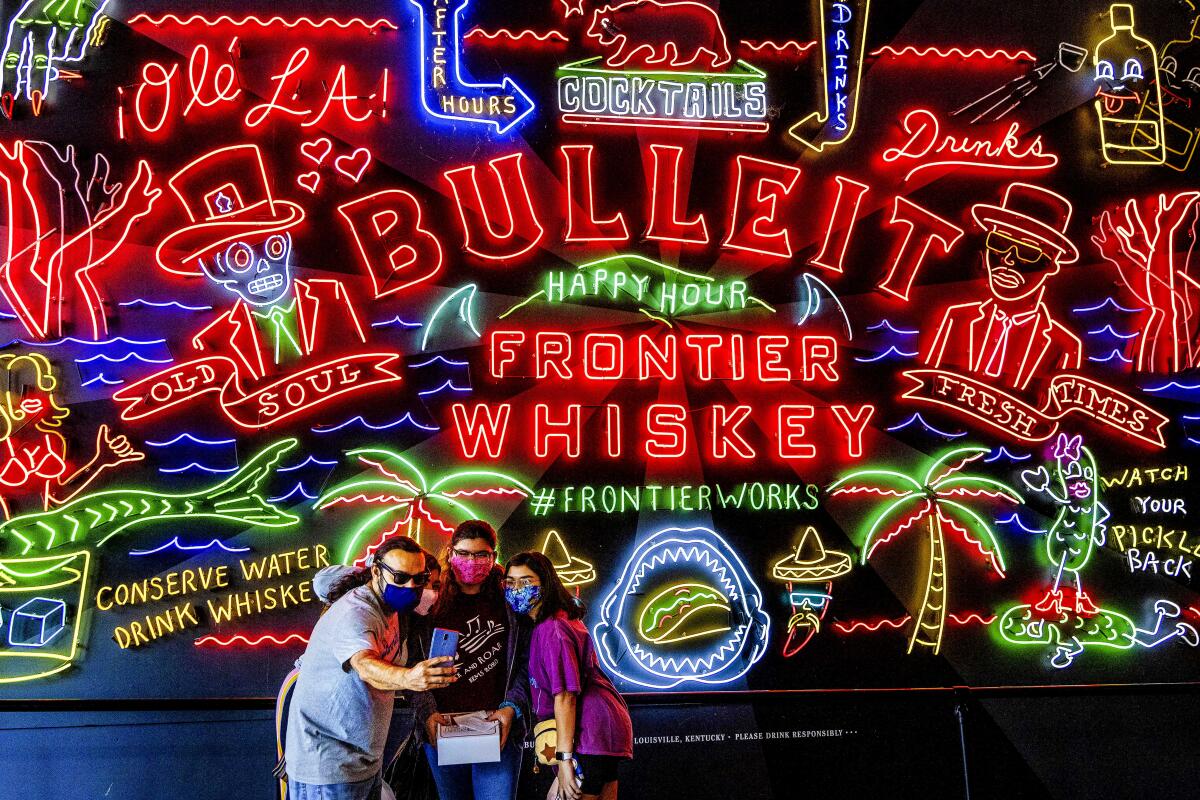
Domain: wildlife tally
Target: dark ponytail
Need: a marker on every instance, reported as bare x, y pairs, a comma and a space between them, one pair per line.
362, 576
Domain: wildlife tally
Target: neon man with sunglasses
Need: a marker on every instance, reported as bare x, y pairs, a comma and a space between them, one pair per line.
363, 650
1009, 338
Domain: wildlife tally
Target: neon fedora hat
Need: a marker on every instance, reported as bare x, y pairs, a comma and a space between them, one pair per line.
1034, 212
227, 198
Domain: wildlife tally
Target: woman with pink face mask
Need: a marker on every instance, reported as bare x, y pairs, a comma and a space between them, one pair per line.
493, 666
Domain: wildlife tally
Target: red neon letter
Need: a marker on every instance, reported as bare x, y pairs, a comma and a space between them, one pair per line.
791, 432
508, 202
666, 433
504, 350
663, 360
820, 355
666, 199
581, 201
753, 223
704, 344
603, 356
841, 221
396, 251
612, 415
770, 358
552, 349
924, 228
491, 431
544, 430
854, 426
725, 424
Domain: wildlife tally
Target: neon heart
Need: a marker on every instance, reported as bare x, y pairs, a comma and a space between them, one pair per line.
309, 181
317, 150
6, 104
354, 165
35, 101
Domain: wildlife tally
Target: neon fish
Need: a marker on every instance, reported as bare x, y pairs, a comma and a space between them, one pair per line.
237, 499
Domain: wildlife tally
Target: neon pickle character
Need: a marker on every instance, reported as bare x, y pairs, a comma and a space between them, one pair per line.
1066, 618
44, 33
238, 237
33, 451
1012, 336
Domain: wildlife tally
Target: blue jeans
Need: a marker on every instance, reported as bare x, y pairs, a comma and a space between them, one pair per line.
360, 790
496, 780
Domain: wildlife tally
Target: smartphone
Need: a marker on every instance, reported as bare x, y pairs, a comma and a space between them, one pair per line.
445, 643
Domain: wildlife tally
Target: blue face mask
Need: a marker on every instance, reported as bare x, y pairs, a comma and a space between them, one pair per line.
523, 599
401, 599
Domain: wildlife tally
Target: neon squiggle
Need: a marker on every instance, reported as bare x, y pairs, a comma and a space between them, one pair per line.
238, 638
194, 439
251, 20
954, 52
1108, 301
891, 351
386, 426
916, 418
189, 548
886, 324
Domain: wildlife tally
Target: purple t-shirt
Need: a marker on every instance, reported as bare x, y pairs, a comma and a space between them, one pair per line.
601, 715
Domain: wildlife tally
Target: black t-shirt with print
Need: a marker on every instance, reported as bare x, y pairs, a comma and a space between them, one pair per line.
482, 654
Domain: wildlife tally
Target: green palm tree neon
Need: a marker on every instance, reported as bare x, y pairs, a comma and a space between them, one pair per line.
941, 500
402, 488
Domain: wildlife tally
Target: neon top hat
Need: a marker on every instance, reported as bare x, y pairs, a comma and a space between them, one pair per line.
573, 571
811, 562
227, 199
1033, 212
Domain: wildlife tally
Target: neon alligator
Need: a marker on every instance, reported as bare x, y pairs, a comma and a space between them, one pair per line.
237, 500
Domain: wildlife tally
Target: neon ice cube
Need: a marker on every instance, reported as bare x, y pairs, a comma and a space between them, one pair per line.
37, 623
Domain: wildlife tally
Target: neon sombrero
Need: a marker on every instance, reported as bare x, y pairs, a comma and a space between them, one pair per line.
572, 570
811, 562
227, 199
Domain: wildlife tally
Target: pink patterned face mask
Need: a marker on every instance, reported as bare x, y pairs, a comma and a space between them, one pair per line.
470, 571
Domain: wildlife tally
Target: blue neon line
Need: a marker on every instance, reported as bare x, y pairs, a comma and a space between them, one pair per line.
1014, 519
443, 359
447, 385
890, 351
90, 343
123, 359
1108, 329
1187, 387
101, 379
1002, 452
195, 465
918, 418
306, 462
1114, 354
1108, 301
298, 488
196, 439
395, 321
163, 304
387, 426
886, 324
175, 543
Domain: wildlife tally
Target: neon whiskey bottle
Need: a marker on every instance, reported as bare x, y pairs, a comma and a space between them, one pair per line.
1128, 94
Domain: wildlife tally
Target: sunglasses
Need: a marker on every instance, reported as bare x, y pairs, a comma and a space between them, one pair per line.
1025, 252
401, 578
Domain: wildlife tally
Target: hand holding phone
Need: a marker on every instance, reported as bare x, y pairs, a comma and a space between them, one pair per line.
444, 643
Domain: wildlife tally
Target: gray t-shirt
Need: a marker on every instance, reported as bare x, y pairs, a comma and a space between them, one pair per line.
338, 724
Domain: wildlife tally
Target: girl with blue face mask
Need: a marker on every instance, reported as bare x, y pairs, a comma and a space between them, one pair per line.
592, 729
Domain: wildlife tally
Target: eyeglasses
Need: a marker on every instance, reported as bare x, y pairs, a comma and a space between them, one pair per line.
1027, 253
519, 583
401, 578
482, 555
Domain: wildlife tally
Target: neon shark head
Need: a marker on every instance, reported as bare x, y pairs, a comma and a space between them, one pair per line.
684, 610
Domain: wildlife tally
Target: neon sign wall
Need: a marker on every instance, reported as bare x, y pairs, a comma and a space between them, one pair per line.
794, 342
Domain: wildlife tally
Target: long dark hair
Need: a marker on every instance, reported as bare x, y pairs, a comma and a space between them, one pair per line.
493, 584
555, 596
362, 576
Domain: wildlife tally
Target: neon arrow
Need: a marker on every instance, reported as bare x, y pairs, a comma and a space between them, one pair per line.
843, 46
444, 92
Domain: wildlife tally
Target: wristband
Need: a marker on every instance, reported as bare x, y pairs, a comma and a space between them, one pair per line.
564, 756
513, 706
